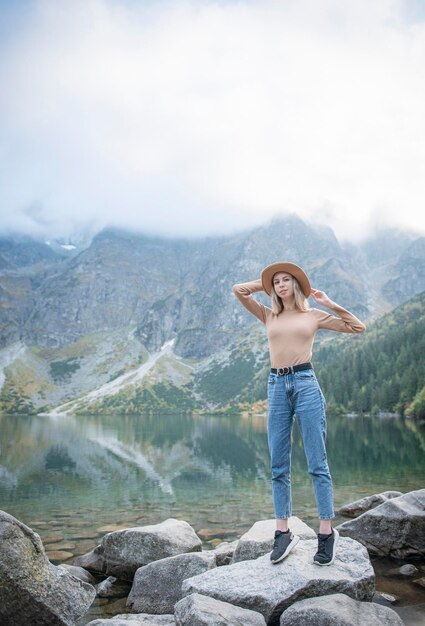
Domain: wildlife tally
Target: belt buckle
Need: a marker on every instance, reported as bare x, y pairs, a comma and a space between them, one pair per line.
281, 371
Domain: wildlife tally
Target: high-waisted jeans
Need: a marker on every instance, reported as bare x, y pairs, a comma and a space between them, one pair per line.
298, 394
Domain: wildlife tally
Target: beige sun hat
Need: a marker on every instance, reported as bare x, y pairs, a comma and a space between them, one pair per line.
269, 271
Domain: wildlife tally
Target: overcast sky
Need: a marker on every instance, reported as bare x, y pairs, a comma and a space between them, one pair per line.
194, 118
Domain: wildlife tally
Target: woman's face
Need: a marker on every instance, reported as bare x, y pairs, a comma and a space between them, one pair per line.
282, 283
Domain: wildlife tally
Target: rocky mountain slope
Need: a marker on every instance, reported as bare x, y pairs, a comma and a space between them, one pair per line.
133, 323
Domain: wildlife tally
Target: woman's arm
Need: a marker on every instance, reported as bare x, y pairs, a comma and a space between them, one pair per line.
345, 323
243, 292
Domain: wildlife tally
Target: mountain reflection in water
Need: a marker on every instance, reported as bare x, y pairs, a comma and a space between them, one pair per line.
189, 466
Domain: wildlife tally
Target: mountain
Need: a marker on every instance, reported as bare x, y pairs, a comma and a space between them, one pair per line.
176, 288
396, 264
407, 273
133, 323
24, 266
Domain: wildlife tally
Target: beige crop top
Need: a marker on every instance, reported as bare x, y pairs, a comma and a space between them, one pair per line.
291, 333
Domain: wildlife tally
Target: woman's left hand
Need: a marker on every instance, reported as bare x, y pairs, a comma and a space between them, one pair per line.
321, 297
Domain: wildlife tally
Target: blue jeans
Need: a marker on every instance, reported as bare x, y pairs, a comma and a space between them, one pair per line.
298, 393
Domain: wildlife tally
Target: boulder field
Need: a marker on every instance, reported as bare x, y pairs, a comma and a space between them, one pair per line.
167, 578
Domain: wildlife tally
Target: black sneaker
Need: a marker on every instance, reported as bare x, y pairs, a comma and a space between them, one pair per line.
283, 544
325, 554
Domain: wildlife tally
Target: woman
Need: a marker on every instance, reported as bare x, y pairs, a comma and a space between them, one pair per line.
293, 389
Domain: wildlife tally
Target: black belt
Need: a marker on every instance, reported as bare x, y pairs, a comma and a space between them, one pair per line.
282, 371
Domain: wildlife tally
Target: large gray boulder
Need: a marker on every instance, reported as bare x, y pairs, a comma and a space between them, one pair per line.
31, 586
224, 552
270, 589
353, 509
199, 610
92, 561
158, 586
338, 610
124, 551
258, 540
395, 528
135, 620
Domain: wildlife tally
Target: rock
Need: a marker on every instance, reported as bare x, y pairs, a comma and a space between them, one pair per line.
408, 569
51, 538
79, 572
353, 509
224, 553
135, 620
113, 588
199, 610
270, 589
404, 570
218, 533
59, 555
338, 610
125, 551
93, 561
31, 586
157, 586
258, 540
420, 581
62, 545
82, 536
395, 528
109, 528
387, 597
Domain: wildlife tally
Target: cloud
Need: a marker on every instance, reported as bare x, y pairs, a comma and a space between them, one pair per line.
189, 118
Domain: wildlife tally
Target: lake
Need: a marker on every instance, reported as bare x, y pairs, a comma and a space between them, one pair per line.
73, 478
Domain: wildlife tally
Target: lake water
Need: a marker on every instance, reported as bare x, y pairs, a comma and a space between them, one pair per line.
73, 478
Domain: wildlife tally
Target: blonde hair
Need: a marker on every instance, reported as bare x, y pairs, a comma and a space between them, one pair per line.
301, 302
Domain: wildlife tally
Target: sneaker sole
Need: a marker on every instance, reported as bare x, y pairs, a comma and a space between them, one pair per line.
336, 537
293, 543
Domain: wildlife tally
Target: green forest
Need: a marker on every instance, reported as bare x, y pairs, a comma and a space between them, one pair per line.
381, 370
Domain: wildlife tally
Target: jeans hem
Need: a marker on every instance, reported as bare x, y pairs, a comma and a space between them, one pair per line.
323, 517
